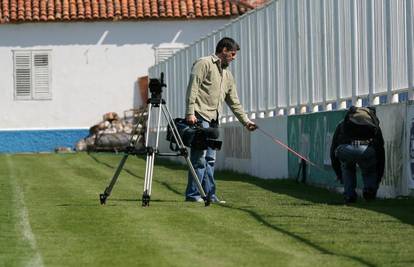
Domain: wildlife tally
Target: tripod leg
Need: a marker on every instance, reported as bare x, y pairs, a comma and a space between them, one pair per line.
148, 179
108, 190
184, 152
149, 168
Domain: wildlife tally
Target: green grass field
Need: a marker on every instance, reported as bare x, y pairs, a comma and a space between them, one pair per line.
50, 216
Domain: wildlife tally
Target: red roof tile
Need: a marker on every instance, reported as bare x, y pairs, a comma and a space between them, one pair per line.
16, 11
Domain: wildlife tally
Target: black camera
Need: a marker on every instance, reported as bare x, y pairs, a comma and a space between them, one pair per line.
155, 87
195, 136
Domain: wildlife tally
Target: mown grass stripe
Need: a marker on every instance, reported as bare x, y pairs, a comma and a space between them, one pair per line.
23, 217
264, 223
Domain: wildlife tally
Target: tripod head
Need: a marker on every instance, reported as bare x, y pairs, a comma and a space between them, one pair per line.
155, 87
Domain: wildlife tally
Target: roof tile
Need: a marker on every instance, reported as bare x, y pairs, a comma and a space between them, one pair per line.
20, 9
102, 8
212, 7
176, 8
219, 8
95, 9
58, 9
154, 8
110, 8
36, 10
147, 9
72, 8
183, 8
227, 11
168, 6
132, 9
140, 9
233, 8
204, 8
81, 9
190, 9
88, 9
161, 8
50, 10
117, 8
12, 11
197, 6
124, 8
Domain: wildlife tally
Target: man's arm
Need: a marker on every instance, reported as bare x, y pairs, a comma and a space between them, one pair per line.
233, 102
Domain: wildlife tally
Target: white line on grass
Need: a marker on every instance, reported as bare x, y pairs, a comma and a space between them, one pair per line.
23, 215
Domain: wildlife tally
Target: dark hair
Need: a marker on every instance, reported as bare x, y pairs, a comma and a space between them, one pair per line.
228, 43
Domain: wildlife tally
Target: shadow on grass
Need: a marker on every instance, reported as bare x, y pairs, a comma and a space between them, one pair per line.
165, 184
305, 241
401, 209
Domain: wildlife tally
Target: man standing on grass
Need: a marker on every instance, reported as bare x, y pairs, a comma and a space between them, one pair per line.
358, 141
211, 83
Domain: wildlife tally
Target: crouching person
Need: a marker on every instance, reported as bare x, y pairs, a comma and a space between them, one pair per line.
358, 141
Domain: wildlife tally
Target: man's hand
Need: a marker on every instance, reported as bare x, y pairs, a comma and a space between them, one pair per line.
251, 126
191, 119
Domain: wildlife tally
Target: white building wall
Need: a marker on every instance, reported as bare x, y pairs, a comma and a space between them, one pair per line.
94, 68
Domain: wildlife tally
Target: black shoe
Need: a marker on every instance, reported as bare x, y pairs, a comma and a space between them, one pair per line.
349, 200
369, 194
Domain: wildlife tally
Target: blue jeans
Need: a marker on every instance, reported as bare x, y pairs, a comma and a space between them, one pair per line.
365, 157
203, 162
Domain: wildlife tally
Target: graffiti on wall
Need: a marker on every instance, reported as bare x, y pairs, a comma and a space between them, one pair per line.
311, 135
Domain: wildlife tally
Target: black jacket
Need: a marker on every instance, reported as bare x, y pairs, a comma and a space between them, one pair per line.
341, 137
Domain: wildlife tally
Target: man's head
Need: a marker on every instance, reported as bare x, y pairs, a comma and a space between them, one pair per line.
226, 50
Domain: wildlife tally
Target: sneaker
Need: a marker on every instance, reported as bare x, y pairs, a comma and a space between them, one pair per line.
199, 199
215, 199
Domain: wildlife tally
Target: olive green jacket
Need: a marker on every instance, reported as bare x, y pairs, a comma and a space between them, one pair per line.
209, 87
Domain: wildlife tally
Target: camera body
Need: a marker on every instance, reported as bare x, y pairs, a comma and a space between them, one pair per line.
155, 87
195, 136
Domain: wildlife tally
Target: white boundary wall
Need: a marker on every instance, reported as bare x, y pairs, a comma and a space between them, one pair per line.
94, 67
248, 152
301, 56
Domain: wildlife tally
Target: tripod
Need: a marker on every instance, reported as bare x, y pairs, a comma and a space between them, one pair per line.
155, 102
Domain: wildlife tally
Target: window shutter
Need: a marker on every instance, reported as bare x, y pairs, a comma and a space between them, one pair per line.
32, 74
41, 76
23, 76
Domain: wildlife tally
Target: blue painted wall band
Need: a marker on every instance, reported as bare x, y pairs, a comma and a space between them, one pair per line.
39, 140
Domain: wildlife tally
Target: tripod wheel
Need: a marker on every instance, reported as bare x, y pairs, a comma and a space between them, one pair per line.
145, 200
102, 198
207, 202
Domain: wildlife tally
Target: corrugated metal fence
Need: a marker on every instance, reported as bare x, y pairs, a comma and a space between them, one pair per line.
309, 55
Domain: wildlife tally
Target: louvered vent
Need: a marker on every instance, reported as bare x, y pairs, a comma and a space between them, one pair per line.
165, 51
